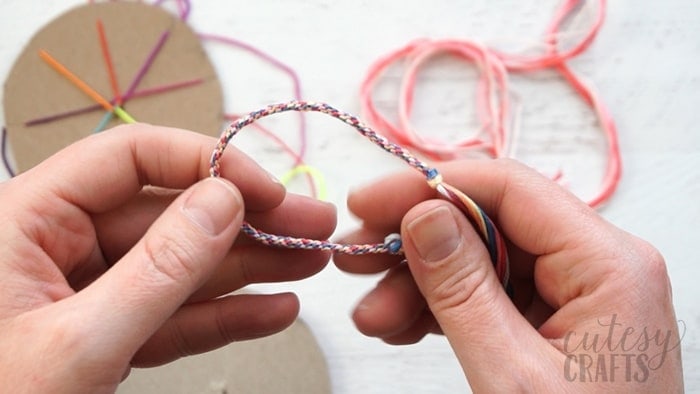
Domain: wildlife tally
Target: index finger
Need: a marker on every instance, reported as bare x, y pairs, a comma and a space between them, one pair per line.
103, 171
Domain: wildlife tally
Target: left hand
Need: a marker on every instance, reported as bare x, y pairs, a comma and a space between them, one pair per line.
106, 263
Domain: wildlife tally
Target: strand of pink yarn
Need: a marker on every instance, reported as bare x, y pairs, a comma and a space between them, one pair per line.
493, 101
280, 66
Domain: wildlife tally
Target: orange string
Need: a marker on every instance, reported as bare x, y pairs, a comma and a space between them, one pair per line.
108, 63
61, 69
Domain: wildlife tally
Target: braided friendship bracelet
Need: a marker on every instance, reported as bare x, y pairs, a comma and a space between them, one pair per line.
392, 244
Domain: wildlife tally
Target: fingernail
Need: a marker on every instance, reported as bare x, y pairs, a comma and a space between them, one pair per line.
435, 234
314, 203
274, 178
359, 190
213, 205
367, 302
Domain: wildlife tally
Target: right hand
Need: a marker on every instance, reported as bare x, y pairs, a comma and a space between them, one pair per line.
574, 274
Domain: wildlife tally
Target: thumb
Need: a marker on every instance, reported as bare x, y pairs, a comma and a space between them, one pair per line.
174, 258
452, 269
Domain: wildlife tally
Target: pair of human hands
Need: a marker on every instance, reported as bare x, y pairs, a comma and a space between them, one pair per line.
115, 254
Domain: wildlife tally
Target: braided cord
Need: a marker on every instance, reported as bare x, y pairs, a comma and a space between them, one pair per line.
307, 106
392, 244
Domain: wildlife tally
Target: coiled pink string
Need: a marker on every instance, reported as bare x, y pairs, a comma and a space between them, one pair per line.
493, 103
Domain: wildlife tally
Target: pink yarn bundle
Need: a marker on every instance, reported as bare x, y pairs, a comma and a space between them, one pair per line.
493, 104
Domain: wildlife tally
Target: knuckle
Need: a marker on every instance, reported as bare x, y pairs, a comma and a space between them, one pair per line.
223, 329
244, 264
454, 290
171, 259
643, 267
651, 255
653, 263
179, 340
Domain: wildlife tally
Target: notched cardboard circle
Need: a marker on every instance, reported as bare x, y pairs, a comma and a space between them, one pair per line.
287, 362
34, 90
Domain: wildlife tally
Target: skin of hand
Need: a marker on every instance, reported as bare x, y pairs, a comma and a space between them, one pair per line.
592, 308
115, 254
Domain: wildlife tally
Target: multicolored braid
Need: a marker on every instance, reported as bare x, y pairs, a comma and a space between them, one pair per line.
392, 243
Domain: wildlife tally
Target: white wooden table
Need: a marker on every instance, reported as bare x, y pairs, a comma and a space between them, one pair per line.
645, 64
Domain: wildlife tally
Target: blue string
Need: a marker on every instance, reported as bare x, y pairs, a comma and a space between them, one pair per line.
104, 121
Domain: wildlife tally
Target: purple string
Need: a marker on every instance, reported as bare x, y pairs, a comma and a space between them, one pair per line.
5, 159
185, 10
147, 64
62, 115
137, 94
279, 65
184, 6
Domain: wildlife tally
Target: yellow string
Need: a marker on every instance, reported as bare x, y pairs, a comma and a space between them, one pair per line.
316, 176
